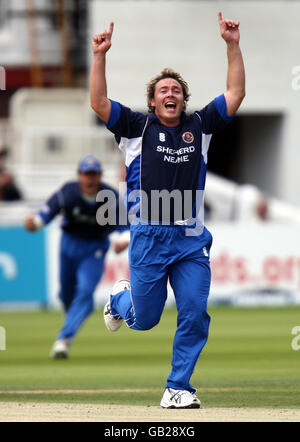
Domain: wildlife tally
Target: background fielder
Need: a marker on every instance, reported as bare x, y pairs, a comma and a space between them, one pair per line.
84, 245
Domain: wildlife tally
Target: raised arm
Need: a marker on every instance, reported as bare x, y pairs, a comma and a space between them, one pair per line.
98, 91
236, 91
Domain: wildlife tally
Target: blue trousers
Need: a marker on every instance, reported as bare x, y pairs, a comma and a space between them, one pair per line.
158, 254
81, 268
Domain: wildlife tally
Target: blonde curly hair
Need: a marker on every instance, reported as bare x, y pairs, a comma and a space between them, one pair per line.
166, 73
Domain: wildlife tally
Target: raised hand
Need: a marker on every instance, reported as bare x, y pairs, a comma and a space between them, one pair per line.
102, 42
229, 29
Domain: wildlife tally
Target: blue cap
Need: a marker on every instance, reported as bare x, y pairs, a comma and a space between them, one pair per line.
89, 164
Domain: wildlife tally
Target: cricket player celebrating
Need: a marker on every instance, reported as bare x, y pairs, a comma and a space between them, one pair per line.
166, 151
84, 245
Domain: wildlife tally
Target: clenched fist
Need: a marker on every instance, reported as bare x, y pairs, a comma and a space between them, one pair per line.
30, 224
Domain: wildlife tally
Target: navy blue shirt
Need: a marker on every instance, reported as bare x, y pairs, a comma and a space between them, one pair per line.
160, 158
80, 215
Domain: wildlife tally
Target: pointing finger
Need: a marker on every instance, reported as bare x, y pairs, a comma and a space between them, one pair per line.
111, 29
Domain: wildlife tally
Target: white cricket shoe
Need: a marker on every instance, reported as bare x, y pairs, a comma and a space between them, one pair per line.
113, 323
60, 349
179, 399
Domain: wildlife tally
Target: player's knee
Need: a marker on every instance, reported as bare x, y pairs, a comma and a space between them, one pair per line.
66, 298
89, 301
147, 323
196, 319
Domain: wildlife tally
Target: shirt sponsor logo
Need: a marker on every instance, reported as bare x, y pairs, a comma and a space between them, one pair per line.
162, 137
181, 155
188, 137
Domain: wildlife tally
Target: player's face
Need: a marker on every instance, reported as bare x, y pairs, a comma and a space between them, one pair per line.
168, 101
89, 182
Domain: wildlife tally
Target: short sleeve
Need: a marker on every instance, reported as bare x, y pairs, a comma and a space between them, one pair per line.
125, 123
214, 116
114, 114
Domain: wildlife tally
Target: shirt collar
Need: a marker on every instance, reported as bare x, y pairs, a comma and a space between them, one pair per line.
153, 118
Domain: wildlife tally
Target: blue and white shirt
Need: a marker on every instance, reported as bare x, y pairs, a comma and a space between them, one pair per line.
160, 158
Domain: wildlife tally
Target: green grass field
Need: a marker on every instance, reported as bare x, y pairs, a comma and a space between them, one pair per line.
247, 362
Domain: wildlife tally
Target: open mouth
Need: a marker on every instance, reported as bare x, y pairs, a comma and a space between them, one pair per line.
170, 105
